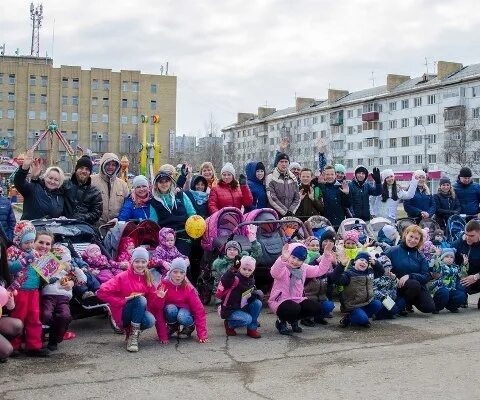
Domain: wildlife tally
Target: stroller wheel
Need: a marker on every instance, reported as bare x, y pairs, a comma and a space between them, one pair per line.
204, 291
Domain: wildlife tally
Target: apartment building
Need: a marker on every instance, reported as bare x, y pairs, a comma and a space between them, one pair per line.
96, 109
431, 121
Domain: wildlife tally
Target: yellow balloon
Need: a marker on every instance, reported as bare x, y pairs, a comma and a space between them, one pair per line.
195, 226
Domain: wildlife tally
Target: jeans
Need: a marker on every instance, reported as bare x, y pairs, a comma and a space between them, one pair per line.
247, 316
360, 316
135, 312
182, 316
327, 307
449, 299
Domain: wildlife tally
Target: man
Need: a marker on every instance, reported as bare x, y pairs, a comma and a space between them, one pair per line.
467, 192
361, 190
113, 189
335, 197
295, 168
469, 246
82, 200
7, 216
311, 202
282, 187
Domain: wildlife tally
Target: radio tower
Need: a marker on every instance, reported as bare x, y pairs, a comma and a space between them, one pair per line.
36, 15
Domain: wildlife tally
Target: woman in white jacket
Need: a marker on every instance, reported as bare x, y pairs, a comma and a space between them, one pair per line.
386, 204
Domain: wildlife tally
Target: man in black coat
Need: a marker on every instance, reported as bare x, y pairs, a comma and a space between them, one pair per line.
82, 200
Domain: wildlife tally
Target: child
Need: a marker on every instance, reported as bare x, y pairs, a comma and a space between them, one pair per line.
385, 287
289, 273
198, 195
313, 249
439, 239
164, 254
56, 296
128, 294
351, 245
388, 236
100, 266
242, 303
27, 283
182, 308
446, 289
357, 296
125, 249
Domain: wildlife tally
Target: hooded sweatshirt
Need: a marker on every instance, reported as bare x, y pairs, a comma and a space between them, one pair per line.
257, 187
113, 189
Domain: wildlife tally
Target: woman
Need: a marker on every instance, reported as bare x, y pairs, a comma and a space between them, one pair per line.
229, 192
44, 197
411, 268
137, 205
421, 205
207, 171
256, 183
386, 204
446, 202
198, 195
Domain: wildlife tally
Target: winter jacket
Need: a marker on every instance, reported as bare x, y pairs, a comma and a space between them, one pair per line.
7, 217
182, 296
114, 190
123, 285
39, 202
359, 193
171, 211
336, 203
222, 263
56, 289
240, 295
17, 262
257, 187
469, 197
308, 206
131, 211
407, 261
421, 201
199, 199
388, 209
82, 202
281, 274
163, 255
473, 253
223, 195
282, 192
445, 206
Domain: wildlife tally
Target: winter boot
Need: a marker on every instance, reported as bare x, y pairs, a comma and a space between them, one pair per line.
187, 330
282, 327
229, 331
345, 321
296, 328
253, 333
132, 340
172, 328
308, 322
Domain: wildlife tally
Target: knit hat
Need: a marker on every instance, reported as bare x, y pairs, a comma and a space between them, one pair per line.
84, 161
259, 167
448, 252
247, 261
162, 175
179, 263
438, 232
233, 244
139, 180
361, 168
340, 168
300, 252
140, 253
329, 234
444, 180
390, 232
294, 164
384, 260
352, 235
420, 172
228, 167
363, 255
281, 156
386, 173
24, 231
62, 252
465, 172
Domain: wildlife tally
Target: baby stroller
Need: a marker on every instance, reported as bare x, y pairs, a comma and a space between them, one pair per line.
404, 223
455, 228
375, 225
318, 225
358, 224
113, 235
430, 224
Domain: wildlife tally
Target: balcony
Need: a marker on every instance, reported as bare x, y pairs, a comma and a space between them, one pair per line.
454, 117
336, 118
370, 116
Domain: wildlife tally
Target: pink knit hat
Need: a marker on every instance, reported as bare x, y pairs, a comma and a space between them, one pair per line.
352, 235
248, 261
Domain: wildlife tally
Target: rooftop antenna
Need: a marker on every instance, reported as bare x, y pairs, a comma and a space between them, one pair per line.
373, 78
166, 69
161, 70
36, 15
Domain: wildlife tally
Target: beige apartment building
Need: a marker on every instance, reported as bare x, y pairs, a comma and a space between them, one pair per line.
96, 109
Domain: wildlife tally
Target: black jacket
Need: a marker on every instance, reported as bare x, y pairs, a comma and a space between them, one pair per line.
82, 202
360, 198
446, 206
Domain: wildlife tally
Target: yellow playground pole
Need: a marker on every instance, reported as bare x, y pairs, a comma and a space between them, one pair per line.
156, 144
143, 151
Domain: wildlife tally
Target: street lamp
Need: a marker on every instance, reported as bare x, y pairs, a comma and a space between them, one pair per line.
425, 144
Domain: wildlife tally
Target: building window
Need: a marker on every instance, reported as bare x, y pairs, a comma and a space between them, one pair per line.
360, 161
11, 96
105, 118
432, 158
405, 122
124, 103
43, 99
417, 121
359, 112
135, 87
405, 104
393, 124
11, 79
124, 119
393, 142
134, 103
64, 100
124, 86
405, 159
1, 78
106, 84
349, 113
65, 82
431, 119
153, 88
323, 134
476, 134
44, 81
10, 114
405, 141
31, 98
350, 130
94, 101
359, 145
432, 138
74, 117
75, 100
418, 140
105, 101
432, 99
475, 112
33, 80
392, 106
153, 105
314, 120
393, 160
43, 115
417, 102
75, 83
380, 161
31, 115
94, 84
349, 146
134, 120
322, 118
64, 117
94, 118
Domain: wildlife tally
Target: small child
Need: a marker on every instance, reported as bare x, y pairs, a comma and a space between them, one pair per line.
388, 236
289, 272
129, 294
439, 239
313, 249
100, 266
56, 296
125, 249
358, 298
351, 245
385, 287
182, 309
242, 303
164, 254
446, 289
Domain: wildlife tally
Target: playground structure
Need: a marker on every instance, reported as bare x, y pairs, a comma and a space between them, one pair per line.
150, 153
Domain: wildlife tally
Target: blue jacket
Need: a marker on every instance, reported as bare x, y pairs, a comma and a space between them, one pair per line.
469, 197
473, 253
407, 261
335, 203
7, 217
360, 197
420, 202
257, 187
446, 206
129, 211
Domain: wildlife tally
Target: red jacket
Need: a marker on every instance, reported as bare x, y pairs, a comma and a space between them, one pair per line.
223, 195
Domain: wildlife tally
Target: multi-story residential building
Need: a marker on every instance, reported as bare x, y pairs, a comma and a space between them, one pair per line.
185, 144
432, 121
96, 109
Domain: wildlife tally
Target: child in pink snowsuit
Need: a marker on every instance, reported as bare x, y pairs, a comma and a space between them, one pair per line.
125, 249
100, 266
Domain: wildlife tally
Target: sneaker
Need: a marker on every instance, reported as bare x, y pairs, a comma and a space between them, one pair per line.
345, 321
187, 330
229, 331
282, 327
296, 328
409, 308
173, 328
308, 322
38, 353
253, 333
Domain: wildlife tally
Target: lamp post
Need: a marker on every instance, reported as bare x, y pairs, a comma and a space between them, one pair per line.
425, 144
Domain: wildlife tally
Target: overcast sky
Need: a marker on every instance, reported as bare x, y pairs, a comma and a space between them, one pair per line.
233, 56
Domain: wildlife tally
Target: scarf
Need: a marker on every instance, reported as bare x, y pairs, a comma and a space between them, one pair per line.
200, 197
140, 201
296, 274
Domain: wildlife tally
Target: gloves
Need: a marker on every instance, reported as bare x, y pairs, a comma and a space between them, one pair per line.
252, 233
184, 170
242, 179
376, 176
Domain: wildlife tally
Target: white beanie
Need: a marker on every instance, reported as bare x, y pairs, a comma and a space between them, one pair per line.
62, 252
390, 232
420, 172
140, 252
386, 173
294, 165
228, 167
140, 180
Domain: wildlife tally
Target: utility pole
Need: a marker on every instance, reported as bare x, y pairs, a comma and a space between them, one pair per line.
36, 15
425, 144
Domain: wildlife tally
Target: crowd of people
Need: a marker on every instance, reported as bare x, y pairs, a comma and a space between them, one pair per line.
417, 269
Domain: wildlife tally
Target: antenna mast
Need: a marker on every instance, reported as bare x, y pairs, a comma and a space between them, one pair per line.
36, 15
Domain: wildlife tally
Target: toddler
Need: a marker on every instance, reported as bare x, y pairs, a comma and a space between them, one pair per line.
100, 266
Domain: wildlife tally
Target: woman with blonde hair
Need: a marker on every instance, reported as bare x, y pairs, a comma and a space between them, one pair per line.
411, 268
421, 205
446, 202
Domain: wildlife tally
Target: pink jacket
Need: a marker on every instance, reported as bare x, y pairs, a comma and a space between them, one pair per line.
123, 285
184, 296
281, 279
